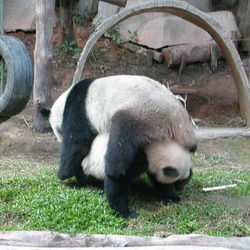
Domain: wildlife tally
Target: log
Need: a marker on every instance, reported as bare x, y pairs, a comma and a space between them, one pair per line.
157, 56
121, 3
34, 240
195, 52
246, 42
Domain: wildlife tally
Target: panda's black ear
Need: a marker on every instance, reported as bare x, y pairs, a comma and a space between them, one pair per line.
193, 148
45, 112
171, 172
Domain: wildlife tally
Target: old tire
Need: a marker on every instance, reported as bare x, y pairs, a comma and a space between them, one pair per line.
19, 76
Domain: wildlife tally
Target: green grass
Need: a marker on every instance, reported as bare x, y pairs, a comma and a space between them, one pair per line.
32, 198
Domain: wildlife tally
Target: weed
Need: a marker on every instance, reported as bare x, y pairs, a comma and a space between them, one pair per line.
65, 48
80, 16
116, 35
133, 36
95, 59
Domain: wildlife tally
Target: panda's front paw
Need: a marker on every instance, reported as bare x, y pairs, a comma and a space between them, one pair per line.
133, 215
114, 173
175, 199
129, 215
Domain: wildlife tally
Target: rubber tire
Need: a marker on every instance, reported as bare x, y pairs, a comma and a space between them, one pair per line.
19, 76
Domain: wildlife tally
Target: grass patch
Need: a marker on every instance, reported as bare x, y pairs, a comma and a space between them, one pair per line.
34, 199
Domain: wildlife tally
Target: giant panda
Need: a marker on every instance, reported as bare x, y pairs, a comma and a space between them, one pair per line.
167, 163
136, 111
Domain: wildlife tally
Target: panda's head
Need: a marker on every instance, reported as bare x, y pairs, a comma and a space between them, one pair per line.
169, 163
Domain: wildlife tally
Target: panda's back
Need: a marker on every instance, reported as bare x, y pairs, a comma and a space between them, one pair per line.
139, 95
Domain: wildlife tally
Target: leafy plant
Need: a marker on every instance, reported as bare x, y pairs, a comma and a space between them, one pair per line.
116, 35
80, 16
65, 48
95, 59
134, 36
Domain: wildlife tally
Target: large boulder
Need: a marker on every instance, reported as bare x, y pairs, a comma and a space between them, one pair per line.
157, 30
20, 15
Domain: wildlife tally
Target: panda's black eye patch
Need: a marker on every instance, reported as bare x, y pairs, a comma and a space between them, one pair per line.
170, 171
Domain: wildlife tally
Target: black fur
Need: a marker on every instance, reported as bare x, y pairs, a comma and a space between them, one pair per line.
117, 189
45, 112
127, 136
193, 148
168, 191
78, 134
179, 185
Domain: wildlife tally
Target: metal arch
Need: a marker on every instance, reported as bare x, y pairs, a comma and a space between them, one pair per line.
193, 15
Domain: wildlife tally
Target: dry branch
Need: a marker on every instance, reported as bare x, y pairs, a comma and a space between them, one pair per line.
208, 189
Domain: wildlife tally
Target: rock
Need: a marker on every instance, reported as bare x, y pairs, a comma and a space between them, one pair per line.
157, 30
167, 30
20, 15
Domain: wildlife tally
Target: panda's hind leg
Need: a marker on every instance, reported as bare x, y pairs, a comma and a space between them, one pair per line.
71, 158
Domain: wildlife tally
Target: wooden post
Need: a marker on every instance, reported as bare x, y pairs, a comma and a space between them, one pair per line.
66, 20
249, 70
121, 3
246, 43
43, 61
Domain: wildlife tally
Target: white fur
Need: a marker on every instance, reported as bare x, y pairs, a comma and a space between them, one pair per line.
160, 155
94, 163
163, 154
56, 114
137, 94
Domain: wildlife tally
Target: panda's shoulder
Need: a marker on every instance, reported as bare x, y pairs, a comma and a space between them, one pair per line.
80, 89
75, 101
